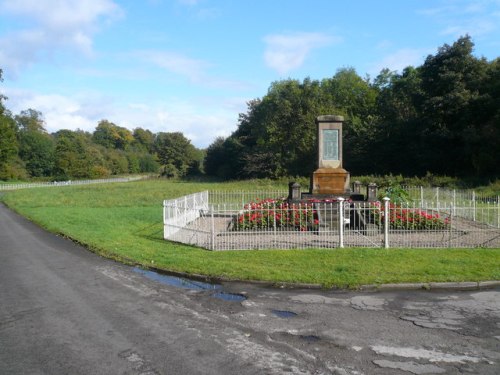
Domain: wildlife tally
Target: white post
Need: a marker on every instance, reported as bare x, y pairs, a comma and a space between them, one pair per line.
451, 218
454, 200
421, 196
473, 206
386, 221
437, 198
341, 222
498, 211
164, 221
212, 230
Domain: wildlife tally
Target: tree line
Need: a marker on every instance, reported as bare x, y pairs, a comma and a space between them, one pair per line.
27, 150
442, 117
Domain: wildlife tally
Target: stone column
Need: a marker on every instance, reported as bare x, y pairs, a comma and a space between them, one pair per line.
330, 178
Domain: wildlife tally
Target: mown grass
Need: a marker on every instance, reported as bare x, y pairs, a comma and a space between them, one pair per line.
123, 221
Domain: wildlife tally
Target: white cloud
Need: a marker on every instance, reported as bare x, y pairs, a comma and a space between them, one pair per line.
473, 27
286, 52
82, 111
460, 17
176, 63
199, 120
399, 60
54, 25
195, 70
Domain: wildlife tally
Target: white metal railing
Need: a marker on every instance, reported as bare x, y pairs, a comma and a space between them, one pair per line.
180, 212
467, 204
230, 221
68, 183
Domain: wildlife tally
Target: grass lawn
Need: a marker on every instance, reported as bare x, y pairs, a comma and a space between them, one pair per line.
123, 221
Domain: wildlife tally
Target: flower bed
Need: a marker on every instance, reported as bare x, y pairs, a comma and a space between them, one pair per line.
272, 213
405, 218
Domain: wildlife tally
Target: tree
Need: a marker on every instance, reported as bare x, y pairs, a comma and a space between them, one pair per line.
355, 99
36, 146
175, 153
451, 82
399, 122
277, 133
110, 135
143, 139
148, 163
224, 158
8, 139
76, 157
8, 143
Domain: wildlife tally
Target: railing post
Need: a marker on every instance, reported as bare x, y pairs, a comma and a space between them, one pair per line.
437, 199
473, 205
498, 211
454, 200
386, 221
450, 222
164, 221
341, 221
212, 230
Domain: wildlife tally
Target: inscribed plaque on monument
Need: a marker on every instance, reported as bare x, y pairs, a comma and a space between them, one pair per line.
330, 144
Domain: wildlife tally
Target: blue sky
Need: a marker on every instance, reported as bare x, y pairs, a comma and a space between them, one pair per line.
191, 65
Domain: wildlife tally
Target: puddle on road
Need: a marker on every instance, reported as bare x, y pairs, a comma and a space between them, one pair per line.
179, 282
229, 297
284, 313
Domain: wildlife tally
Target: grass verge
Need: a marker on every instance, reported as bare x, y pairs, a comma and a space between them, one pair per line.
123, 221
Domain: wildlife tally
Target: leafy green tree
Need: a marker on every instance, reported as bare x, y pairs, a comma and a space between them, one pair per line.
36, 146
8, 143
215, 157
355, 99
175, 153
483, 138
110, 135
451, 82
116, 161
397, 130
224, 158
278, 131
8, 139
148, 163
143, 139
76, 157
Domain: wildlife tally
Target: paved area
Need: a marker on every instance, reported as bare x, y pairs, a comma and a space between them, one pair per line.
64, 310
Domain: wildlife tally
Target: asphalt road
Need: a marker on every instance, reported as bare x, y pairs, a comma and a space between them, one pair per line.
64, 310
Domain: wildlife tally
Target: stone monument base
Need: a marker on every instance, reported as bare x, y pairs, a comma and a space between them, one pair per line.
330, 181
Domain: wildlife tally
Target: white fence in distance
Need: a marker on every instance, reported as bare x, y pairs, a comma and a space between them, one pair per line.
68, 183
229, 221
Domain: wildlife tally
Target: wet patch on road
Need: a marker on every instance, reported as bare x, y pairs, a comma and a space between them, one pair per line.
179, 282
185, 283
231, 297
284, 314
310, 338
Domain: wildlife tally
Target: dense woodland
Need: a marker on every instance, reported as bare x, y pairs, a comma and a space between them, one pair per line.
442, 117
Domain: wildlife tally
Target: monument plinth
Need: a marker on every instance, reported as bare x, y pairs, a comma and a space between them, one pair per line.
330, 178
